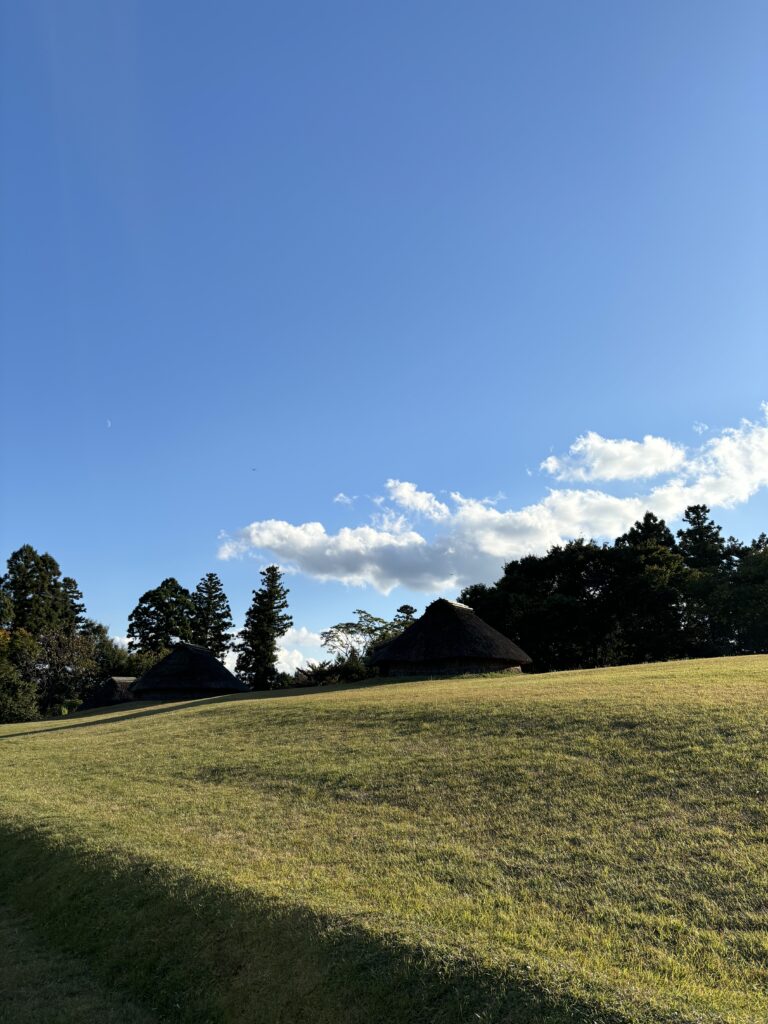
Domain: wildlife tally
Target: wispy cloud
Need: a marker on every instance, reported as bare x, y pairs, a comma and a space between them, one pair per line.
466, 540
343, 499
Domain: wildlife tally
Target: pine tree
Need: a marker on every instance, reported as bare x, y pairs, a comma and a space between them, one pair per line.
266, 621
405, 616
702, 544
211, 616
72, 607
161, 617
705, 585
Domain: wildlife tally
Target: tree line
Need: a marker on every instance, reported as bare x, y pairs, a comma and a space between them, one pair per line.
651, 595
53, 657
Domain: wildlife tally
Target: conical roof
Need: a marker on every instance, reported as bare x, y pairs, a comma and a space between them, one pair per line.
189, 669
448, 631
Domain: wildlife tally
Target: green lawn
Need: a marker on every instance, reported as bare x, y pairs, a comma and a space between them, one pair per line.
39, 985
583, 846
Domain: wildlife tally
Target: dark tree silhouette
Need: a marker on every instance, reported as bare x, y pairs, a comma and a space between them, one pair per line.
706, 585
211, 616
649, 596
265, 622
36, 598
405, 616
161, 617
18, 698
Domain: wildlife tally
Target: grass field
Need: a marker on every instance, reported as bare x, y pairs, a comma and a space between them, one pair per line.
38, 985
577, 847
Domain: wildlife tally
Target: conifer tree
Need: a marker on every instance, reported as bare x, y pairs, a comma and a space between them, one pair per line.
702, 544
40, 600
72, 607
6, 609
211, 616
405, 616
706, 584
266, 621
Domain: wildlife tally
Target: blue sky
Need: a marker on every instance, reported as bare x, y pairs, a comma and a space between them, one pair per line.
255, 255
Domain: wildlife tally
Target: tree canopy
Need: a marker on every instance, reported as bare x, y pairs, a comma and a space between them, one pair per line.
356, 639
35, 597
53, 657
649, 596
162, 617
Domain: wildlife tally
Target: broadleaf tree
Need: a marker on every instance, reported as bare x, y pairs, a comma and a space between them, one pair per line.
162, 616
354, 639
18, 696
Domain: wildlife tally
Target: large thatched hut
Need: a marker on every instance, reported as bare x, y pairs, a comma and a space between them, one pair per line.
449, 640
187, 673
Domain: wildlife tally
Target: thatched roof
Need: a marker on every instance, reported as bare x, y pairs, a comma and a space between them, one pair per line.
114, 690
449, 631
188, 669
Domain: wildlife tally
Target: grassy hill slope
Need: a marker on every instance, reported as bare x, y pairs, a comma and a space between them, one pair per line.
38, 985
586, 846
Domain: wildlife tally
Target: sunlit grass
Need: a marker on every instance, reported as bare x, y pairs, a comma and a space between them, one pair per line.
593, 840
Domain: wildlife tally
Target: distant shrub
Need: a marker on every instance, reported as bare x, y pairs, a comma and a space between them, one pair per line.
351, 669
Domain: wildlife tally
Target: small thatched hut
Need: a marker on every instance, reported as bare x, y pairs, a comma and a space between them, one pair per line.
187, 673
449, 640
114, 690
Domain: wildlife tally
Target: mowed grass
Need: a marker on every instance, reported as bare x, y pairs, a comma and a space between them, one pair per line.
40, 986
582, 846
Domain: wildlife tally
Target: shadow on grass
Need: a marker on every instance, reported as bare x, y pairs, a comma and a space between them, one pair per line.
199, 953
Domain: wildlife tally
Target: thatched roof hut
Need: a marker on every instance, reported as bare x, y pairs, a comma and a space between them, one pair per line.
114, 690
448, 640
187, 673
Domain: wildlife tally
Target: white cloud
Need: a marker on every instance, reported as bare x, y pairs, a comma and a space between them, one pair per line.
121, 641
297, 647
700, 428
592, 457
343, 499
302, 636
408, 496
468, 540
355, 555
